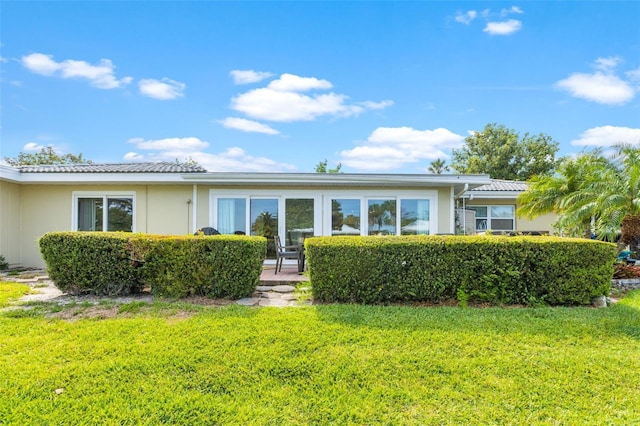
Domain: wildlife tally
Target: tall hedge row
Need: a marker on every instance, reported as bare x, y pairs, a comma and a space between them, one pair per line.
499, 270
91, 262
109, 263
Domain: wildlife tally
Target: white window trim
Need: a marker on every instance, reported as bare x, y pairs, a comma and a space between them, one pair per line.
322, 205
76, 195
490, 218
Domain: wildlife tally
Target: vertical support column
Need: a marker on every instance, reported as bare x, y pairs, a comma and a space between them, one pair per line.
194, 206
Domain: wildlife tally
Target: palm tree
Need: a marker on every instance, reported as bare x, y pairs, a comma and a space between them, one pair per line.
438, 167
549, 194
591, 193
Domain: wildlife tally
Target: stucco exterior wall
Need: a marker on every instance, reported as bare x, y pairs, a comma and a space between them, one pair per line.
169, 209
445, 214
10, 222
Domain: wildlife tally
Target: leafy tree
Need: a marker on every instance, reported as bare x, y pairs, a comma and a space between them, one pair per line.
321, 167
46, 155
503, 154
438, 167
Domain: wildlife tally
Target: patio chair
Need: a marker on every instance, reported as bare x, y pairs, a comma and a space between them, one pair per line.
286, 252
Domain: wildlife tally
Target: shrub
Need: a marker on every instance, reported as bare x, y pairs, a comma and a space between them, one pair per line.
91, 262
110, 263
622, 271
3, 263
499, 270
215, 266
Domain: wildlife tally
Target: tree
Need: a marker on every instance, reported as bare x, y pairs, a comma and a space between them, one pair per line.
46, 155
321, 167
438, 167
503, 154
595, 193
549, 194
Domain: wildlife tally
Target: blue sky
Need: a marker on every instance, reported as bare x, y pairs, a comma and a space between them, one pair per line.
279, 86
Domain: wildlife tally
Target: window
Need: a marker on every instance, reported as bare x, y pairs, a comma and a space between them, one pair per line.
298, 219
495, 218
106, 212
345, 217
264, 217
232, 215
414, 217
381, 215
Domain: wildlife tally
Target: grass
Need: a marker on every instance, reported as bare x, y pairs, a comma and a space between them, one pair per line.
173, 363
10, 291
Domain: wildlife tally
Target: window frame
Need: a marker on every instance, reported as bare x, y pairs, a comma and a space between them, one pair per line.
105, 195
489, 217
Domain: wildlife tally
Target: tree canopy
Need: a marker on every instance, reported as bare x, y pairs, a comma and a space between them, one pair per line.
46, 155
502, 154
322, 167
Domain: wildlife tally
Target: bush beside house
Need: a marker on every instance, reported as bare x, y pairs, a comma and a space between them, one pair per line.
109, 263
499, 270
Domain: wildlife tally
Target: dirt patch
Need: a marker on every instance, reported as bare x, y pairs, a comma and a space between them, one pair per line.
91, 312
205, 301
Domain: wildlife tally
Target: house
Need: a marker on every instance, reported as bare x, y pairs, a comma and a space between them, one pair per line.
170, 198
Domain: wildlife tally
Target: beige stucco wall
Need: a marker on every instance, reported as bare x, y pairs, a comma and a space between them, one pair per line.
33, 210
10, 222
160, 209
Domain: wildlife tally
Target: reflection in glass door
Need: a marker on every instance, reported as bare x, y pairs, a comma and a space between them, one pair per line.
298, 220
264, 221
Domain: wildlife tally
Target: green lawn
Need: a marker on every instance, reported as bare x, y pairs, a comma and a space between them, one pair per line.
179, 364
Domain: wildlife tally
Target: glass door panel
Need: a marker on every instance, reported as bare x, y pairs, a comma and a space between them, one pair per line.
232, 215
298, 219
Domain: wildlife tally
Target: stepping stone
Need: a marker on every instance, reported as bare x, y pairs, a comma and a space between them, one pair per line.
271, 295
264, 288
283, 288
279, 303
248, 301
289, 297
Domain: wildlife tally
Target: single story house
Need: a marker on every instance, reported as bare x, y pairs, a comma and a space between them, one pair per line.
170, 198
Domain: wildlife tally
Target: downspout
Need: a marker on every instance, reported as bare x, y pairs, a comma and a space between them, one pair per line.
194, 212
453, 198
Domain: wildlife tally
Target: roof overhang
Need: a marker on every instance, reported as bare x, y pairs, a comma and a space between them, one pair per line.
495, 195
460, 183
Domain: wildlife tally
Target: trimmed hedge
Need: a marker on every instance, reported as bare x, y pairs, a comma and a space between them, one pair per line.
91, 262
499, 270
212, 266
110, 263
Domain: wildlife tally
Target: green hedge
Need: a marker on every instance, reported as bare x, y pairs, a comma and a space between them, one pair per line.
499, 270
91, 262
214, 266
109, 263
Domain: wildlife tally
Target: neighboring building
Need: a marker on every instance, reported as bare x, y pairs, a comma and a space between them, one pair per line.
167, 198
495, 206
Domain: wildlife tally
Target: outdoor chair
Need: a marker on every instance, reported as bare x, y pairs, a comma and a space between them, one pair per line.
286, 252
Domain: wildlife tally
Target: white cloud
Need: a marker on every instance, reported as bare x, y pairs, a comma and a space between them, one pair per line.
32, 146
393, 147
294, 83
634, 75
281, 101
231, 160
602, 88
466, 17
607, 65
100, 76
512, 9
164, 89
248, 76
503, 28
247, 125
608, 136
187, 144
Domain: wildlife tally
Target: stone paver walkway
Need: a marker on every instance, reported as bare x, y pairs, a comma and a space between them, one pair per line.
277, 290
